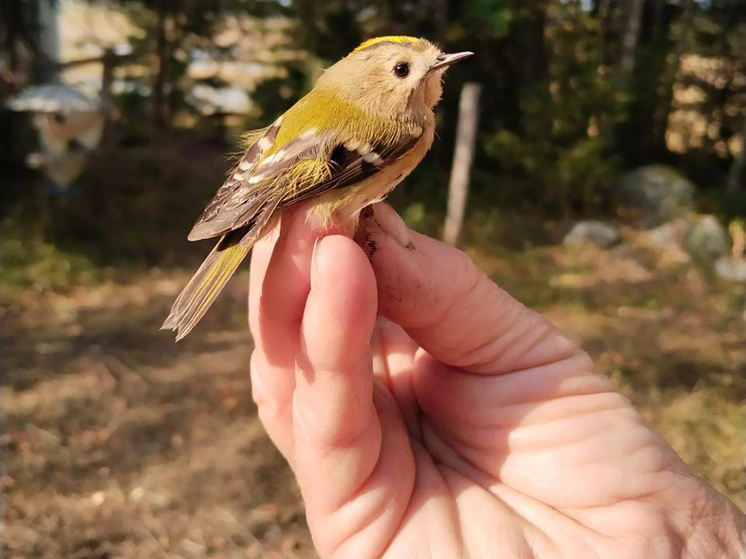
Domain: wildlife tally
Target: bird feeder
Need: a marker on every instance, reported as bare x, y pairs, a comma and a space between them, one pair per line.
69, 126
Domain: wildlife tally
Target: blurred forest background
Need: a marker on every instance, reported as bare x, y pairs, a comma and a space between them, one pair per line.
608, 191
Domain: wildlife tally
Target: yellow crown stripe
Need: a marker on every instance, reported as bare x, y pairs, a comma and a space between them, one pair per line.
387, 39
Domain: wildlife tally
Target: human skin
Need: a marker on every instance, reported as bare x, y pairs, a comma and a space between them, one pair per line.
428, 414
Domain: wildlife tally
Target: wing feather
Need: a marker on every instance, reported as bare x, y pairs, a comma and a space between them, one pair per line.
354, 168
305, 167
216, 218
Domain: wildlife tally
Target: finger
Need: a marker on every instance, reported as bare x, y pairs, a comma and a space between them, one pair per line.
351, 454
279, 286
280, 283
260, 257
394, 362
336, 426
450, 307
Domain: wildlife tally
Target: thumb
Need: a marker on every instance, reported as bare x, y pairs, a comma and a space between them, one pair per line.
452, 308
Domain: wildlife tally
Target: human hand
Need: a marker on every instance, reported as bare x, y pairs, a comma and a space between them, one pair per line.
460, 425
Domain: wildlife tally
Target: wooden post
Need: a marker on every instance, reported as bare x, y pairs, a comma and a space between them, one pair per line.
463, 157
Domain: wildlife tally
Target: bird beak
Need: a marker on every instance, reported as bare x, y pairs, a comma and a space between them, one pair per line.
445, 60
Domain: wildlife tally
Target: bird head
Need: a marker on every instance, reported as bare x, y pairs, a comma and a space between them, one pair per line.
395, 76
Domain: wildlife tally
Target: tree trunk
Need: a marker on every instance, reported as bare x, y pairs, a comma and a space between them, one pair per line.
108, 63
659, 21
14, 15
532, 40
159, 71
49, 43
463, 157
631, 36
735, 176
603, 11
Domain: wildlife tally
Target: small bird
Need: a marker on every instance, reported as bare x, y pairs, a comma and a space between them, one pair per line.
365, 125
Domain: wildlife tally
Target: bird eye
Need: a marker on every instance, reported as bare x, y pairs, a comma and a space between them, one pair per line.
401, 70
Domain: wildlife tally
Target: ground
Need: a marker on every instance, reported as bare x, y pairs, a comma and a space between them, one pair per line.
121, 444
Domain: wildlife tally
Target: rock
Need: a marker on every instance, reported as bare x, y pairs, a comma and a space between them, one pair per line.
669, 236
669, 240
708, 239
653, 195
731, 269
591, 232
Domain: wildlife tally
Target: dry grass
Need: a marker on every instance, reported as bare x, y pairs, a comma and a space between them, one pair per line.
122, 444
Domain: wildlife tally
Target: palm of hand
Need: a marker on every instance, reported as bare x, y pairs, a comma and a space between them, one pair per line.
490, 435
544, 462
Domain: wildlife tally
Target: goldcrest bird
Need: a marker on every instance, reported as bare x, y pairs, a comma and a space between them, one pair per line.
359, 132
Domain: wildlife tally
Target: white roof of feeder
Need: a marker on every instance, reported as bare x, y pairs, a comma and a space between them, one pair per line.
53, 98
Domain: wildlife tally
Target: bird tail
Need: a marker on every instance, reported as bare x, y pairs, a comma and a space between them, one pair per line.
204, 287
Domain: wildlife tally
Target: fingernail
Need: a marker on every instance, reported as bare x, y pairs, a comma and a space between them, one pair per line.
393, 225
314, 264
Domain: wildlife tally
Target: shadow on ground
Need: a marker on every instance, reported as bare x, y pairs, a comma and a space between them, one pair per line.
122, 444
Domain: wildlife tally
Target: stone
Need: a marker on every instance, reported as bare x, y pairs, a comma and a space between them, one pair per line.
731, 269
669, 241
669, 236
708, 239
653, 195
593, 232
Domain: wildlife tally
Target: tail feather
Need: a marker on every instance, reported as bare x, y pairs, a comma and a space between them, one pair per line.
219, 266
202, 290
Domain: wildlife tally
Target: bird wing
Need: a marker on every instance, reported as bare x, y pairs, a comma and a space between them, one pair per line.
277, 178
